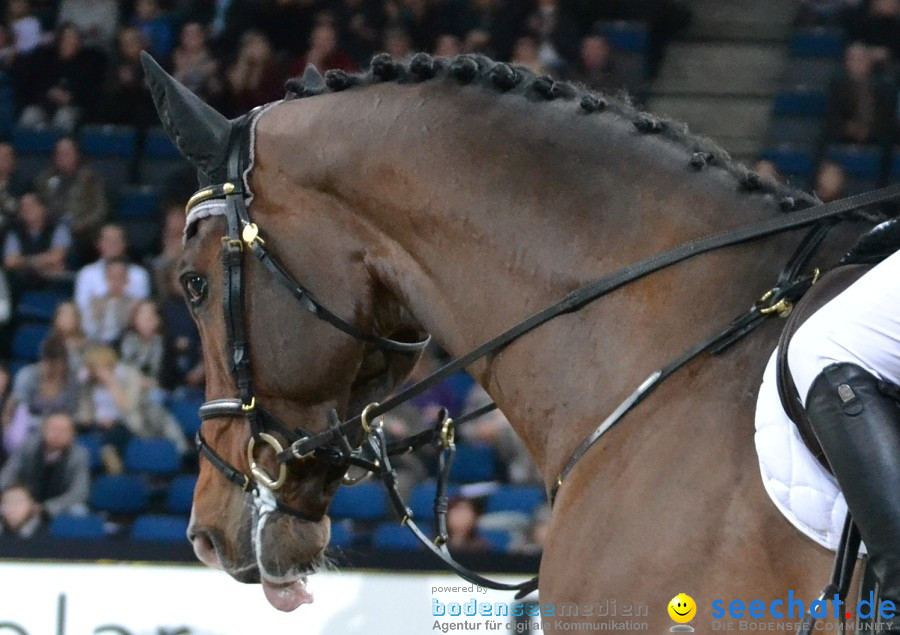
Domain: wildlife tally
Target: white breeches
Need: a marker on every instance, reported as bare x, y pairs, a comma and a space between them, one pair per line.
860, 326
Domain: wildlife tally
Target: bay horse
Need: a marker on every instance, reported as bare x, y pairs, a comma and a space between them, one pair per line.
456, 197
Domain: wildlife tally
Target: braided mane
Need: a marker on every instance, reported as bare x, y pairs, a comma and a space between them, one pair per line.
503, 78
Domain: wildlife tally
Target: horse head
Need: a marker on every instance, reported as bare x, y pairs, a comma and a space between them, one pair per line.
301, 368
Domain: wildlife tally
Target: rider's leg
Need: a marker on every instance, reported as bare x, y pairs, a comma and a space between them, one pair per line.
837, 358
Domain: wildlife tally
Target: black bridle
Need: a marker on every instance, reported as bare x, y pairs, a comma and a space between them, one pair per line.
333, 445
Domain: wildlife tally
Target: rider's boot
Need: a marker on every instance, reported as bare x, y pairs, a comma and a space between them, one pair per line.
858, 427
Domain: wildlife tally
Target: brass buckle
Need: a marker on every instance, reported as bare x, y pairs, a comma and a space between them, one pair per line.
249, 407
232, 243
364, 418
258, 473
250, 234
448, 434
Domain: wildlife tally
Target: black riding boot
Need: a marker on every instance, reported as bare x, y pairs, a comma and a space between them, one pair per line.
858, 427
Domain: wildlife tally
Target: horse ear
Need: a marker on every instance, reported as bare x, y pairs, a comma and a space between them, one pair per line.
313, 81
199, 132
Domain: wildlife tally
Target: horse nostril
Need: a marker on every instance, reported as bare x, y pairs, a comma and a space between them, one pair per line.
205, 548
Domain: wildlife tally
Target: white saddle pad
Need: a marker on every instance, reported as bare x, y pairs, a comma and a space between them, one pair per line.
802, 490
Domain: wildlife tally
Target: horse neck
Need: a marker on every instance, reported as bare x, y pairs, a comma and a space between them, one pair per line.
478, 229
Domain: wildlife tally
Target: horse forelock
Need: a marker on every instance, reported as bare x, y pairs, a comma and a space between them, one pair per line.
501, 78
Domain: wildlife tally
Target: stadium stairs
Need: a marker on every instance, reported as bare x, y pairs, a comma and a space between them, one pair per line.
721, 74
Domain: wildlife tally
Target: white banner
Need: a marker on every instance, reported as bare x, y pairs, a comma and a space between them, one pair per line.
145, 599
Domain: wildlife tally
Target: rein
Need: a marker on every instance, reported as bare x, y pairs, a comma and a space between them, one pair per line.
373, 455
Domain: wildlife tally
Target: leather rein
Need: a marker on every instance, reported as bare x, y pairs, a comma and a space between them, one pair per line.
373, 455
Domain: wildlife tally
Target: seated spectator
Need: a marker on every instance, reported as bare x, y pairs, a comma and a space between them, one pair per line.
12, 185
287, 23
8, 105
75, 195
824, 12
194, 65
462, 527
448, 46
831, 181
878, 26
97, 20
5, 383
142, 346
115, 404
59, 83
324, 52
492, 25
150, 20
183, 358
25, 27
860, 103
66, 326
768, 169
536, 537
596, 67
556, 35
91, 279
34, 251
493, 429
163, 265
40, 389
6, 315
108, 315
52, 467
20, 515
359, 25
128, 101
398, 44
525, 53
255, 78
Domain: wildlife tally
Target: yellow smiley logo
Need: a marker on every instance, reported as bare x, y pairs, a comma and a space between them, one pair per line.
682, 608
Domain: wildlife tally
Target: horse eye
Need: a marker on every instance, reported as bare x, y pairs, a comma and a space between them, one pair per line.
194, 288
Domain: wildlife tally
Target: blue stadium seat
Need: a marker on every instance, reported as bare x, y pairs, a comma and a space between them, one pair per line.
92, 443
186, 413
114, 171
157, 145
395, 536
474, 463
159, 528
421, 499
796, 131
626, 36
817, 42
341, 535
27, 340
181, 494
497, 538
143, 236
141, 201
29, 166
858, 161
38, 305
812, 73
808, 103
119, 494
30, 141
152, 456
366, 501
77, 527
108, 141
791, 161
516, 498
158, 172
